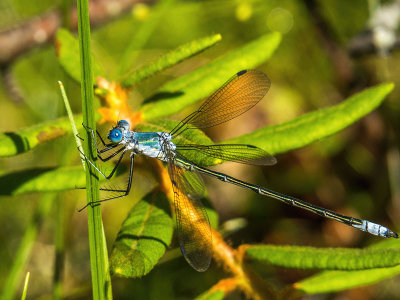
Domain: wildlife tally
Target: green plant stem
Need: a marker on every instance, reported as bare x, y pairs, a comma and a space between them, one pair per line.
101, 283
25, 290
72, 121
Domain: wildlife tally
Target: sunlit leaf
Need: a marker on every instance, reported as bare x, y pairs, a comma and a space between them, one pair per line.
333, 281
192, 87
144, 237
22, 140
316, 125
16, 142
171, 58
67, 48
324, 258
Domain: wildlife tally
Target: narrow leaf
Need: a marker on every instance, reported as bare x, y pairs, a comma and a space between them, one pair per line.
72, 121
316, 125
334, 281
141, 34
45, 180
324, 258
170, 59
20, 141
67, 48
144, 236
188, 89
211, 295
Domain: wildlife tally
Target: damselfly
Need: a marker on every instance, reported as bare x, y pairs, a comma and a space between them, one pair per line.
244, 90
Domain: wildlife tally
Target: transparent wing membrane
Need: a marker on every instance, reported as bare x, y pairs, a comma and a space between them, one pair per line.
240, 93
245, 154
193, 226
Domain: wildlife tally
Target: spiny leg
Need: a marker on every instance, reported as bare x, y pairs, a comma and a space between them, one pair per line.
112, 155
115, 167
126, 191
99, 151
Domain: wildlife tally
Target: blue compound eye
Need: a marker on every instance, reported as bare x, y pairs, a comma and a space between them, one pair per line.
115, 135
123, 124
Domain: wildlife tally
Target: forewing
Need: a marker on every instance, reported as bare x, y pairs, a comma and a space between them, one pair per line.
245, 154
238, 95
193, 226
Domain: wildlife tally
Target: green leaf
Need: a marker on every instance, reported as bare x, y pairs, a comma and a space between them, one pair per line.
20, 141
143, 32
192, 87
170, 59
67, 48
333, 281
316, 125
45, 180
144, 237
13, 143
211, 295
324, 258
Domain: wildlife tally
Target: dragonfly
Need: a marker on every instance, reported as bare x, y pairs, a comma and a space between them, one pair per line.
239, 94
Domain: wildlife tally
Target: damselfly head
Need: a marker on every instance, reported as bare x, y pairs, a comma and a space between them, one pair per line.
115, 135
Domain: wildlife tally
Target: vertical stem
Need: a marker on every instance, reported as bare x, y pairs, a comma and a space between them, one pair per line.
101, 283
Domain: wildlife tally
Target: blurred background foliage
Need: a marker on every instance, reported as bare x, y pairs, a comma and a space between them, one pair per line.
355, 172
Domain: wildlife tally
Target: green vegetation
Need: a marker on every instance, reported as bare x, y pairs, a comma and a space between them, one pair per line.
331, 114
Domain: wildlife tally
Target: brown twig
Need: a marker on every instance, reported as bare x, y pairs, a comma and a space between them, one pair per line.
41, 30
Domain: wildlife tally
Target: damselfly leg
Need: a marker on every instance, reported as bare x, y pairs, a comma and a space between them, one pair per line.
123, 149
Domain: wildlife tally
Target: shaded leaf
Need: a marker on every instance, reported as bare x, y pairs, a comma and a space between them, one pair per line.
170, 59
211, 295
316, 125
324, 258
67, 48
192, 87
144, 237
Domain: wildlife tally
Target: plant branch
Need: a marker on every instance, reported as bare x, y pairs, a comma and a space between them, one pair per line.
40, 30
101, 282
